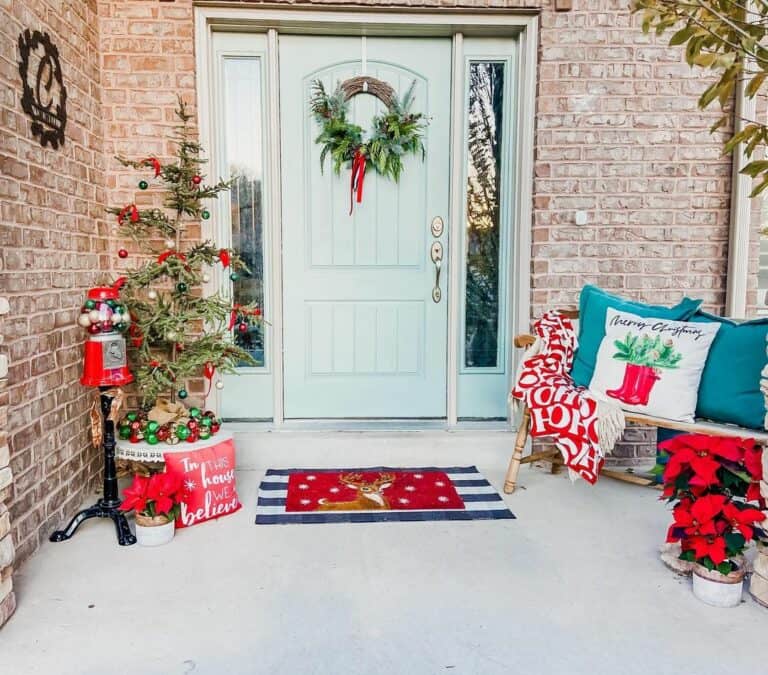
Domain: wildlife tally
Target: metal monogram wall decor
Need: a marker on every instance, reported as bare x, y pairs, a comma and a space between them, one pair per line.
44, 97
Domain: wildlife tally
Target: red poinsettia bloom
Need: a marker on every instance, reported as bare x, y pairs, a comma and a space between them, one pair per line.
755, 495
702, 454
753, 460
163, 489
697, 518
742, 519
135, 495
711, 546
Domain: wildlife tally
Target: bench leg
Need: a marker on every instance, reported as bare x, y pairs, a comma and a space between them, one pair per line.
510, 481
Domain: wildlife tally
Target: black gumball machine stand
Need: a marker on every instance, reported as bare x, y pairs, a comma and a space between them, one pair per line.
105, 367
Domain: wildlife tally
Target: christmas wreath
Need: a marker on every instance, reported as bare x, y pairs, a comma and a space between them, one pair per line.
395, 133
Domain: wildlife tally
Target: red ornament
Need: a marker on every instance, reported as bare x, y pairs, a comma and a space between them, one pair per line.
197, 180
94, 328
224, 257
193, 437
154, 364
122, 253
192, 425
135, 425
215, 427
243, 327
179, 347
257, 312
134, 438
162, 434
208, 370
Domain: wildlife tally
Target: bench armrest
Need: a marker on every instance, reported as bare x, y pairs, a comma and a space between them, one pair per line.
523, 341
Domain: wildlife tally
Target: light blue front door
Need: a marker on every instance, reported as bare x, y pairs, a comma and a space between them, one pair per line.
363, 335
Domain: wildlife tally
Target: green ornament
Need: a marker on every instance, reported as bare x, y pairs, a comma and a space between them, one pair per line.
111, 303
90, 304
194, 412
234, 276
205, 434
151, 438
206, 214
143, 185
182, 433
182, 395
125, 432
132, 416
206, 421
152, 426
181, 287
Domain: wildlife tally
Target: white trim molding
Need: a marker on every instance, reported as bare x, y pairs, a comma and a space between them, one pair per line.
737, 281
211, 16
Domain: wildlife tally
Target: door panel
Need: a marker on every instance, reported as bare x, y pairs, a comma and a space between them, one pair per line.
363, 337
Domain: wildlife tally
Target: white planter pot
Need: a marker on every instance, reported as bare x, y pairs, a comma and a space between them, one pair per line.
716, 589
154, 531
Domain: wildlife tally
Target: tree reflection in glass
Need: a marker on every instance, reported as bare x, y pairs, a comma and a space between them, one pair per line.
247, 239
486, 86
244, 156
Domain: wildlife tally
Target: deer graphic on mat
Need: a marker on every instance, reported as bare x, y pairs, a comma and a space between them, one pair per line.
370, 494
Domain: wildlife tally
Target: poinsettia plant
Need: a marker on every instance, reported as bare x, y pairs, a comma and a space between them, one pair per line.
160, 494
715, 484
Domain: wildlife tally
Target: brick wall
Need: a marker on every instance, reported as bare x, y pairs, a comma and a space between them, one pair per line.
620, 137
7, 550
52, 243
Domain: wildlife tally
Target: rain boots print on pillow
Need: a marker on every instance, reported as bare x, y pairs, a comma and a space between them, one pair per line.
652, 366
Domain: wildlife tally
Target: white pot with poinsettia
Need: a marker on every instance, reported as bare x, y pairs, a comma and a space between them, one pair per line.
714, 482
157, 501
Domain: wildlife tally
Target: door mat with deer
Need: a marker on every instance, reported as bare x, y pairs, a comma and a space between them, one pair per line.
377, 494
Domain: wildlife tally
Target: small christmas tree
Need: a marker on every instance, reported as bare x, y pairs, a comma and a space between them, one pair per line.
175, 331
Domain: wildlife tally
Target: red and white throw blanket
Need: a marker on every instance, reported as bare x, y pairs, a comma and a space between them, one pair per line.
582, 427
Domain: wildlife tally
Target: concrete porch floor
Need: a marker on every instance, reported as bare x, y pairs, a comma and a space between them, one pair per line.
574, 585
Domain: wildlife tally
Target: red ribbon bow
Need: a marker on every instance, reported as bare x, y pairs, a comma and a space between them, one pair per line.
167, 254
357, 178
130, 211
155, 164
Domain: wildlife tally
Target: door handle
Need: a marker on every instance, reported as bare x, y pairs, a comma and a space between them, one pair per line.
436, 254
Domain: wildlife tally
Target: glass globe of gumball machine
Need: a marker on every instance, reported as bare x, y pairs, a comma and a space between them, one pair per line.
104, 366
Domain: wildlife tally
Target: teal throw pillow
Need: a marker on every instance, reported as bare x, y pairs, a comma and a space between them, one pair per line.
730, 384
593, 304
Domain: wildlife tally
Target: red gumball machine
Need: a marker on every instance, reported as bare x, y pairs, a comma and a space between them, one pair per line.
105, 319
104, 366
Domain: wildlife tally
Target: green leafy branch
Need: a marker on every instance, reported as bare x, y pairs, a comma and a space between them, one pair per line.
647, 351
730, 39
396, 133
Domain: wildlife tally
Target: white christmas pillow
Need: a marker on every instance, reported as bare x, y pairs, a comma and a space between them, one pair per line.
652, 366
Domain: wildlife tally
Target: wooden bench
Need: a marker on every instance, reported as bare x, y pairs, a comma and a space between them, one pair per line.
553, 455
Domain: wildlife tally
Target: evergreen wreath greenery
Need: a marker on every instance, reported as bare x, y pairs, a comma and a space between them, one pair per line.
395, 133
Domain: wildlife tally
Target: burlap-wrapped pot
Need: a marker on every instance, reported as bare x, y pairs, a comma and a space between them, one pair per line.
154, 531
718, 590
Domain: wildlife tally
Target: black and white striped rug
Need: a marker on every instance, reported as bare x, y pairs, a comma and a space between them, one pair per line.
373, 494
